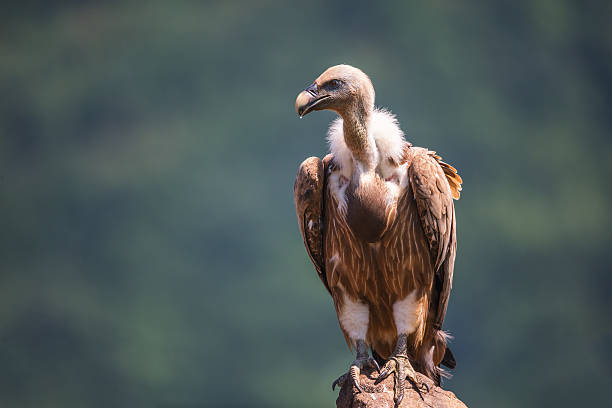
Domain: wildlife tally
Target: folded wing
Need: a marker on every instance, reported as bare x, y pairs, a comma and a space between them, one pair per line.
309, 196
435, 184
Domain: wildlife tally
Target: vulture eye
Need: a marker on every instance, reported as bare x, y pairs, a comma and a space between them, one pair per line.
332, 85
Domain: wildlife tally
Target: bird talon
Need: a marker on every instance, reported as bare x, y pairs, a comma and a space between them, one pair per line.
339, 381
374, 364
398, 401
363, 360
387, 369
383, 374
354, 373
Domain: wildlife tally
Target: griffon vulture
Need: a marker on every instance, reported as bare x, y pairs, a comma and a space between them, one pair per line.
378, 223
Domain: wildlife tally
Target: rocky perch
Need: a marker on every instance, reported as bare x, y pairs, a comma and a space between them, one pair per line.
382, 395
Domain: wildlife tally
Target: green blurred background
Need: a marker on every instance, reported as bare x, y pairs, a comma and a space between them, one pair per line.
149, 251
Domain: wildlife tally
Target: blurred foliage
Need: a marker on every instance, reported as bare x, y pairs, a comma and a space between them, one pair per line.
149, 253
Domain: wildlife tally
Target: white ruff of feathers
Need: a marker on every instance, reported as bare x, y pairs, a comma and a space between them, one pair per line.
383, 128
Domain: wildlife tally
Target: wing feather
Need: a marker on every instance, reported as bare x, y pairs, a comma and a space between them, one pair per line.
434, 185
309, 193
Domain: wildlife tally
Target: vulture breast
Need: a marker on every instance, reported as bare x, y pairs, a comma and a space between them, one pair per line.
366, 208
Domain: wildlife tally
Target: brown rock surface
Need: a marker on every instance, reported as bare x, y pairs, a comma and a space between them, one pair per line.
382, 394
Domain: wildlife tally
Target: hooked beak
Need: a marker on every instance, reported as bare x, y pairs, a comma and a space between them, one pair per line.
308, 99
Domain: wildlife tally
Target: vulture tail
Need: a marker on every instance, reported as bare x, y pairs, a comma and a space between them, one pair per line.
449, 359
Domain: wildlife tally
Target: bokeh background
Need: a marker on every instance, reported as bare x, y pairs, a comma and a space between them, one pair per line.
149, 252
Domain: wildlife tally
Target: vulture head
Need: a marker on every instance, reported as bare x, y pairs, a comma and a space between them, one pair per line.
341, 88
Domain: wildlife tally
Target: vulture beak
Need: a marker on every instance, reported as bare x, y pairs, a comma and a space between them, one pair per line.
308, 99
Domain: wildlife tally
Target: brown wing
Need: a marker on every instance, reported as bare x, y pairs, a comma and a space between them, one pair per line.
434, 184
453, 178
309, 196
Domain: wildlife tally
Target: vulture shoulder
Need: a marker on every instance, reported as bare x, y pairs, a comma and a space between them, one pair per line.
434, 185
309, 196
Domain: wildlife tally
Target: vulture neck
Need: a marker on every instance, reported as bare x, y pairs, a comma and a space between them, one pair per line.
355, 129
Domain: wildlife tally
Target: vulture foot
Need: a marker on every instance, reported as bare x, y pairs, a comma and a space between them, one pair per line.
400, 366
362, 361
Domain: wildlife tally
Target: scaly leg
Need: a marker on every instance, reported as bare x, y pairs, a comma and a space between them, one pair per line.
400, 366
363, 360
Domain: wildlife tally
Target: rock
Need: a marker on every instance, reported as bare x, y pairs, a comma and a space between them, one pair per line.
381, 395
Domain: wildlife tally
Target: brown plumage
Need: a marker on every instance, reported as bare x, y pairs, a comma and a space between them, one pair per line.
378, 223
